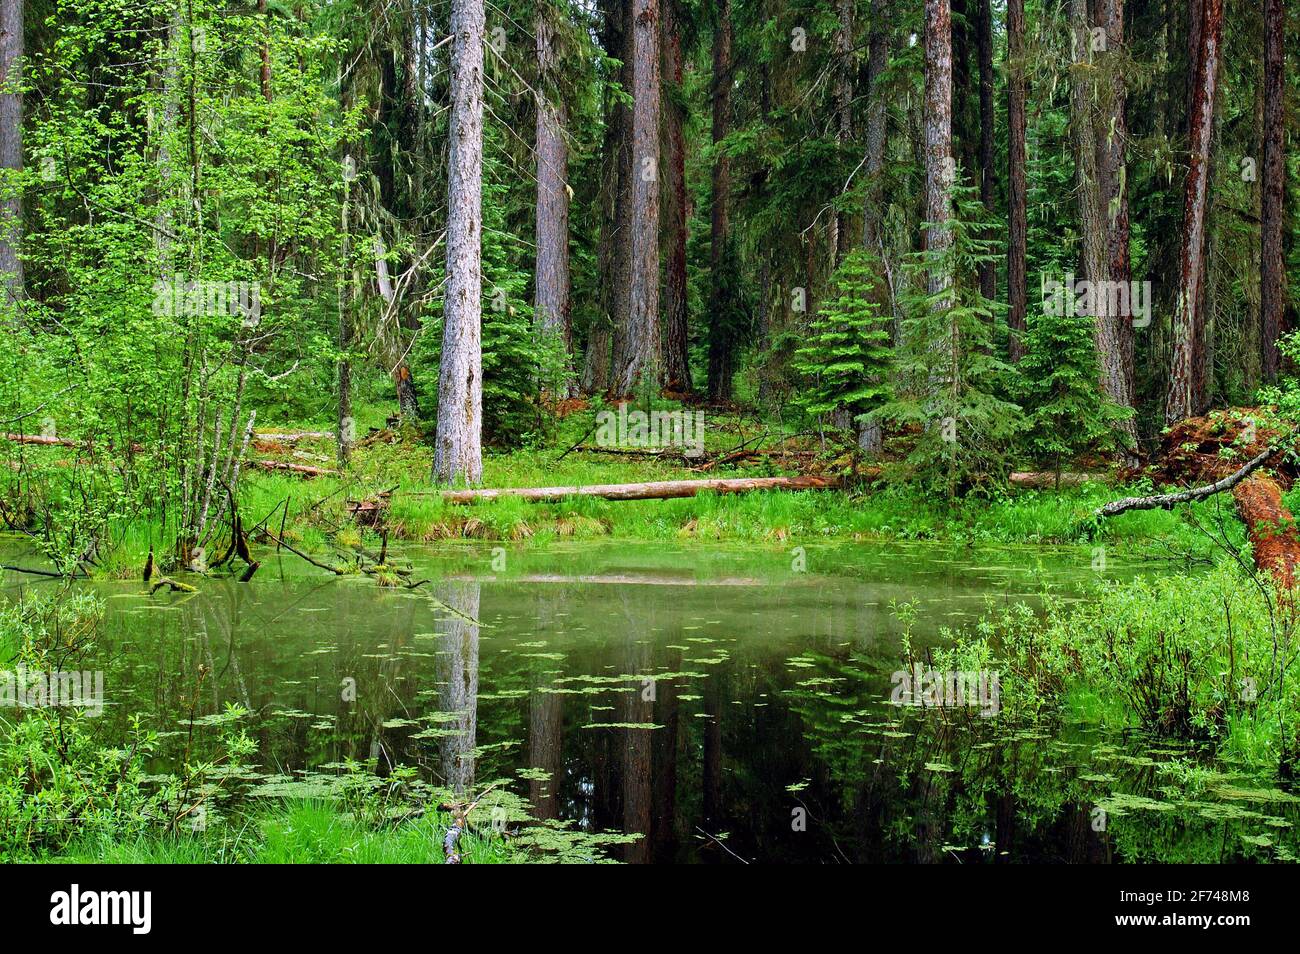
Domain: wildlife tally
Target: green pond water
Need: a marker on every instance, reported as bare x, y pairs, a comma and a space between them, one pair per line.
725, 703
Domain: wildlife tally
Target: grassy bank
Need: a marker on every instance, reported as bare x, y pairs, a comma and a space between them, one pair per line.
299, 833
317, 511
312, 513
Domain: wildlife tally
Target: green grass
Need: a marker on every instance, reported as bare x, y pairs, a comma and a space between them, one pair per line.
300, 833
317, 507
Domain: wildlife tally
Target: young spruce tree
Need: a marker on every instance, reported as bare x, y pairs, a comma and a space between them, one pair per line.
951, 384
846, 356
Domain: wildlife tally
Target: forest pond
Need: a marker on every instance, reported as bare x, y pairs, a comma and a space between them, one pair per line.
726, 703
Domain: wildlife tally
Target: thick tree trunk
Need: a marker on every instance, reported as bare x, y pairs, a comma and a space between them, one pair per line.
721, 334
1093, 223
877, 118
676, 359
844, 76
11, 150
1114, 184
984, 32
939, 135
615, 175
1017, 280
458, 449
1183, 370
552, 281
938, 132
636, 343
1272, 189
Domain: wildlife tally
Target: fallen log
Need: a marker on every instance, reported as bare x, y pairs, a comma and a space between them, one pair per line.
1271, 528
41, 440
654, 490
290, 437
1166, 501
304, 469
1050, 479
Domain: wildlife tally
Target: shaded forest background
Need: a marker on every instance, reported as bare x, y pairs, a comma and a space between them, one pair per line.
842, 214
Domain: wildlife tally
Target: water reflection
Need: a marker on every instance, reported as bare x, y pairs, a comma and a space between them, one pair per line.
737, 713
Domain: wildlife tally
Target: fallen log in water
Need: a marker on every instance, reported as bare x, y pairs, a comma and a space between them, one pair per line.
654, 490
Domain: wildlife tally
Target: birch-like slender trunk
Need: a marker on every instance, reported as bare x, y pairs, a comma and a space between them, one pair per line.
11, 149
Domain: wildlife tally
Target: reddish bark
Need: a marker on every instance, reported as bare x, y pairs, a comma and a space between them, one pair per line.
1186, 364
677, 369
721, 344
984, 34
1271, 527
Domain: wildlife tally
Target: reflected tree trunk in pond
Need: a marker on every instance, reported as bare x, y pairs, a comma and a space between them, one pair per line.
638, 708
665, 748
458, 681
545, 751
711, 777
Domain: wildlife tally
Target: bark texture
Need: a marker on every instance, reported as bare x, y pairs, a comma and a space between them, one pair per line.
1185, 363
1273, 180
552, 279
721, 343
636, 341
458, 449
938, 131
1017, 92
1114, 384
11, 149
676, 359
654, 490
988, 181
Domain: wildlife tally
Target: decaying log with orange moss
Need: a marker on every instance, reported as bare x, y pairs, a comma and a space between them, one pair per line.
1194, 452
1271, 526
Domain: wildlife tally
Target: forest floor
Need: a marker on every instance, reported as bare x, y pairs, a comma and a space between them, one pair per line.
387, 491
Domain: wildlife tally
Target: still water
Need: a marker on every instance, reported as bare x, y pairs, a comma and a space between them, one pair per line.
726, 704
